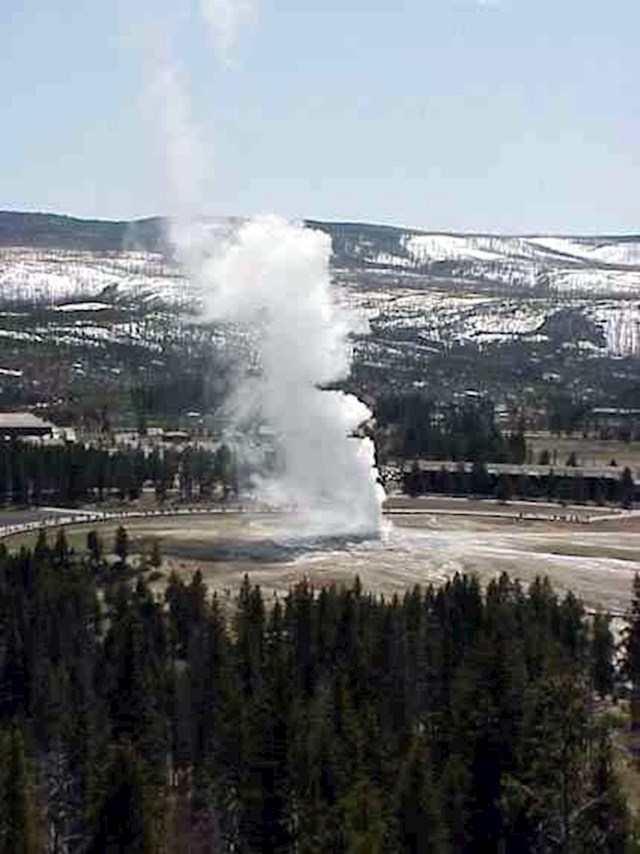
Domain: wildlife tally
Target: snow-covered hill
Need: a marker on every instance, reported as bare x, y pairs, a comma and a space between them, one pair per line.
445, 288
50, 275
562, 264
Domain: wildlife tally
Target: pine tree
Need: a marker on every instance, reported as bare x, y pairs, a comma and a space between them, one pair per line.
603, 823
60, 554
631, 659
155, 558
626, 489
455, 798
14, 675
504, 488
363, 822
250, 625
41, 548
418, 811
602, 655
94, 547
121, 545
18, 828
118, 824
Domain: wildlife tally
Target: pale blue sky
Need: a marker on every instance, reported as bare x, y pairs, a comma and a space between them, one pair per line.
513, 115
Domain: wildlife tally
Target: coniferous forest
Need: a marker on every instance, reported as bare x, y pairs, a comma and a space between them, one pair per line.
445, 720
72, 473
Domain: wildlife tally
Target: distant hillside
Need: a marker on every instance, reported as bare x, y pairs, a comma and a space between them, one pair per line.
540, 263
352, 241
52, 231
91, 306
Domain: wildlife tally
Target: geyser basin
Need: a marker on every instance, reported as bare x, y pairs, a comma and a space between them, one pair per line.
596, 561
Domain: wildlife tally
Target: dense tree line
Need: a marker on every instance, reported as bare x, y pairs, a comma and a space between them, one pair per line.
444, 720
555, 384
198, 382
66, 474
413, 425
579, 489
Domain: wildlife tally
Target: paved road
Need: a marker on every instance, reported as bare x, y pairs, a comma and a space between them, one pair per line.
22, 517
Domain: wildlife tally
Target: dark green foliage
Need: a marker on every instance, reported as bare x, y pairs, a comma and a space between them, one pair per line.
443, 720
418, 805
477, 479
415, 428
627, 489
504, 488
421, 428
631, 638
72, 473
602, 655
119, 819
18, 829
155, 558
631, 658
121, 544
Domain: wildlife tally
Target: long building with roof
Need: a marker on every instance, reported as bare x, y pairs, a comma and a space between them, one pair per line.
23, 424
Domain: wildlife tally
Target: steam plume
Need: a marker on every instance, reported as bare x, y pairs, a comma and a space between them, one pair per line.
273, 277
224, 20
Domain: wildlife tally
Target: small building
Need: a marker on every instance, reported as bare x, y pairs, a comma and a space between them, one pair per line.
23, 425
616, 418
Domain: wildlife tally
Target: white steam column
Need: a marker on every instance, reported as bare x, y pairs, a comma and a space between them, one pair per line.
272, 277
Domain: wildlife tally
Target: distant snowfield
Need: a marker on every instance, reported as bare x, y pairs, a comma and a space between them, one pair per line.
445, 318
598, 277
443, 247
50, 276
543, 251
448, 288
620, 253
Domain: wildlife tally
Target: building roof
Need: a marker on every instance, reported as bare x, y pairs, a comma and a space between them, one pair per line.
23, 421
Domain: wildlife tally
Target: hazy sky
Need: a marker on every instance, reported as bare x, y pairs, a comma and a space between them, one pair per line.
502, 115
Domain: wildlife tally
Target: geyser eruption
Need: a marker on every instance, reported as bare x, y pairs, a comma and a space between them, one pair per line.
272, 277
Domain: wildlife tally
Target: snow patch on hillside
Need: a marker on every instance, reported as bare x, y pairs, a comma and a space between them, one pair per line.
434, 289
52, 276
622, 253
